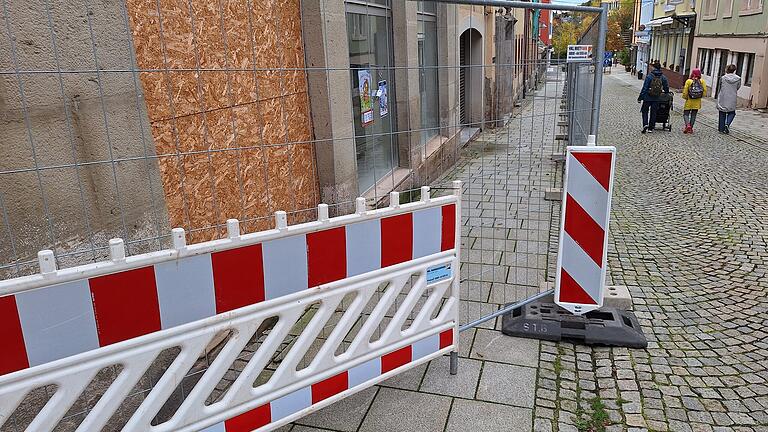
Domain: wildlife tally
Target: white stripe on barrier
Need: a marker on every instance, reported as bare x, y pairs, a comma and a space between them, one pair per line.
285, 266
57, 321
426, 347
587, 191
219, 427
427, 232
363, 247
365, 372
185, 290
291, 403
581, 267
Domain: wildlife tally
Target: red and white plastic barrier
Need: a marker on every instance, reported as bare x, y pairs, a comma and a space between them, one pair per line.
582, 254
62, 326
303, 398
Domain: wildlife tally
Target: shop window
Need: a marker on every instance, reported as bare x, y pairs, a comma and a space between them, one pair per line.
369, 32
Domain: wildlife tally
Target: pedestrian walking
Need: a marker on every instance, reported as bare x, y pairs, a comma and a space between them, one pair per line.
695, 88
654, 87
726, 99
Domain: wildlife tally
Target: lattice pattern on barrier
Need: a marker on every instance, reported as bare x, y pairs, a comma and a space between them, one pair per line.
242, 366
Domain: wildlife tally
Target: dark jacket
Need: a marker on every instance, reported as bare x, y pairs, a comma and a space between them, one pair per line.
644, 96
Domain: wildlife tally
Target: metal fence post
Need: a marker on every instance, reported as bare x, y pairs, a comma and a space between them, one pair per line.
596, 91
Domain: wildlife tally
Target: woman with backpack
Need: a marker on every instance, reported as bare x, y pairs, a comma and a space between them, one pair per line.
695, 88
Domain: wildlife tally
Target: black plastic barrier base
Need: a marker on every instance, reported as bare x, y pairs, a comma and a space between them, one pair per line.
548, 321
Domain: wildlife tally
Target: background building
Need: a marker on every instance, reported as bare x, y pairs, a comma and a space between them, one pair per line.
735, 32
672, 32
641, 38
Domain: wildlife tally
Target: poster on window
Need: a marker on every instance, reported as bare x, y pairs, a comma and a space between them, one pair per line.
381, 93
366, 108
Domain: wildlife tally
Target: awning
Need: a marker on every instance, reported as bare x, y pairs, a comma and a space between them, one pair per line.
659, 22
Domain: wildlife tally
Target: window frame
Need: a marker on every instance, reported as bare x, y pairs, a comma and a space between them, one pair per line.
739, 61
752, 10
728, 12
749, 69
710, 9
427, 16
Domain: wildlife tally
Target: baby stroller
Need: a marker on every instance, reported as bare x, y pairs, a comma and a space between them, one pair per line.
662, 113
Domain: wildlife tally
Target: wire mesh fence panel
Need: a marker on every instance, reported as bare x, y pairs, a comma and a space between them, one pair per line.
580, 90
507, 223
126, 118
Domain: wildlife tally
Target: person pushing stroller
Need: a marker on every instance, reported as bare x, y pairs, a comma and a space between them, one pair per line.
655, 87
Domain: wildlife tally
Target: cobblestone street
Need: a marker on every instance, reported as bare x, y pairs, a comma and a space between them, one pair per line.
688, 238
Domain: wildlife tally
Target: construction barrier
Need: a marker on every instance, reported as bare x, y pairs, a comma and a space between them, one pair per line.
582, 254
392, 269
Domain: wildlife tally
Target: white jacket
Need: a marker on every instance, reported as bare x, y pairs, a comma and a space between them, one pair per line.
729, 86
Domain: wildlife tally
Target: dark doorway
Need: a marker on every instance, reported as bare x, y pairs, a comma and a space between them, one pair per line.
470, 78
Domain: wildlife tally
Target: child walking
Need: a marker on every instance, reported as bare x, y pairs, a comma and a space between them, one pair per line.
695, 88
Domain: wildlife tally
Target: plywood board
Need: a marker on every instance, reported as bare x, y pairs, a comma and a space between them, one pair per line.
232, 126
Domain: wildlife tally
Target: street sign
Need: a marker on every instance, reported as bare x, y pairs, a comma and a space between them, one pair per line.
579, 53
582, 254
608, 59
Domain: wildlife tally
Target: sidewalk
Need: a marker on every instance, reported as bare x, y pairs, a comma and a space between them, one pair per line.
750, 125
506, 243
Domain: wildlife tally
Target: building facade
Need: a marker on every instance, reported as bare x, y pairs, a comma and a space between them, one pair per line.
641, 38
202, 111
735, 32
672, 34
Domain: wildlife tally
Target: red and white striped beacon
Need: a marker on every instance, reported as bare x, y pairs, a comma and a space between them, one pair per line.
582, 255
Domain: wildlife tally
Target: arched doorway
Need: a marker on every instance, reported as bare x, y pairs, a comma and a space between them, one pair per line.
470, 78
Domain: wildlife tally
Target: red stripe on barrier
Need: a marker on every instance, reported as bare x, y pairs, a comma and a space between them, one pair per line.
446, 338
250, 420
238, 277
584, 230
330, 387
571, 291
396, 359
396, 239
327, 256
448, 238
598, 164
125, 305
14, 356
